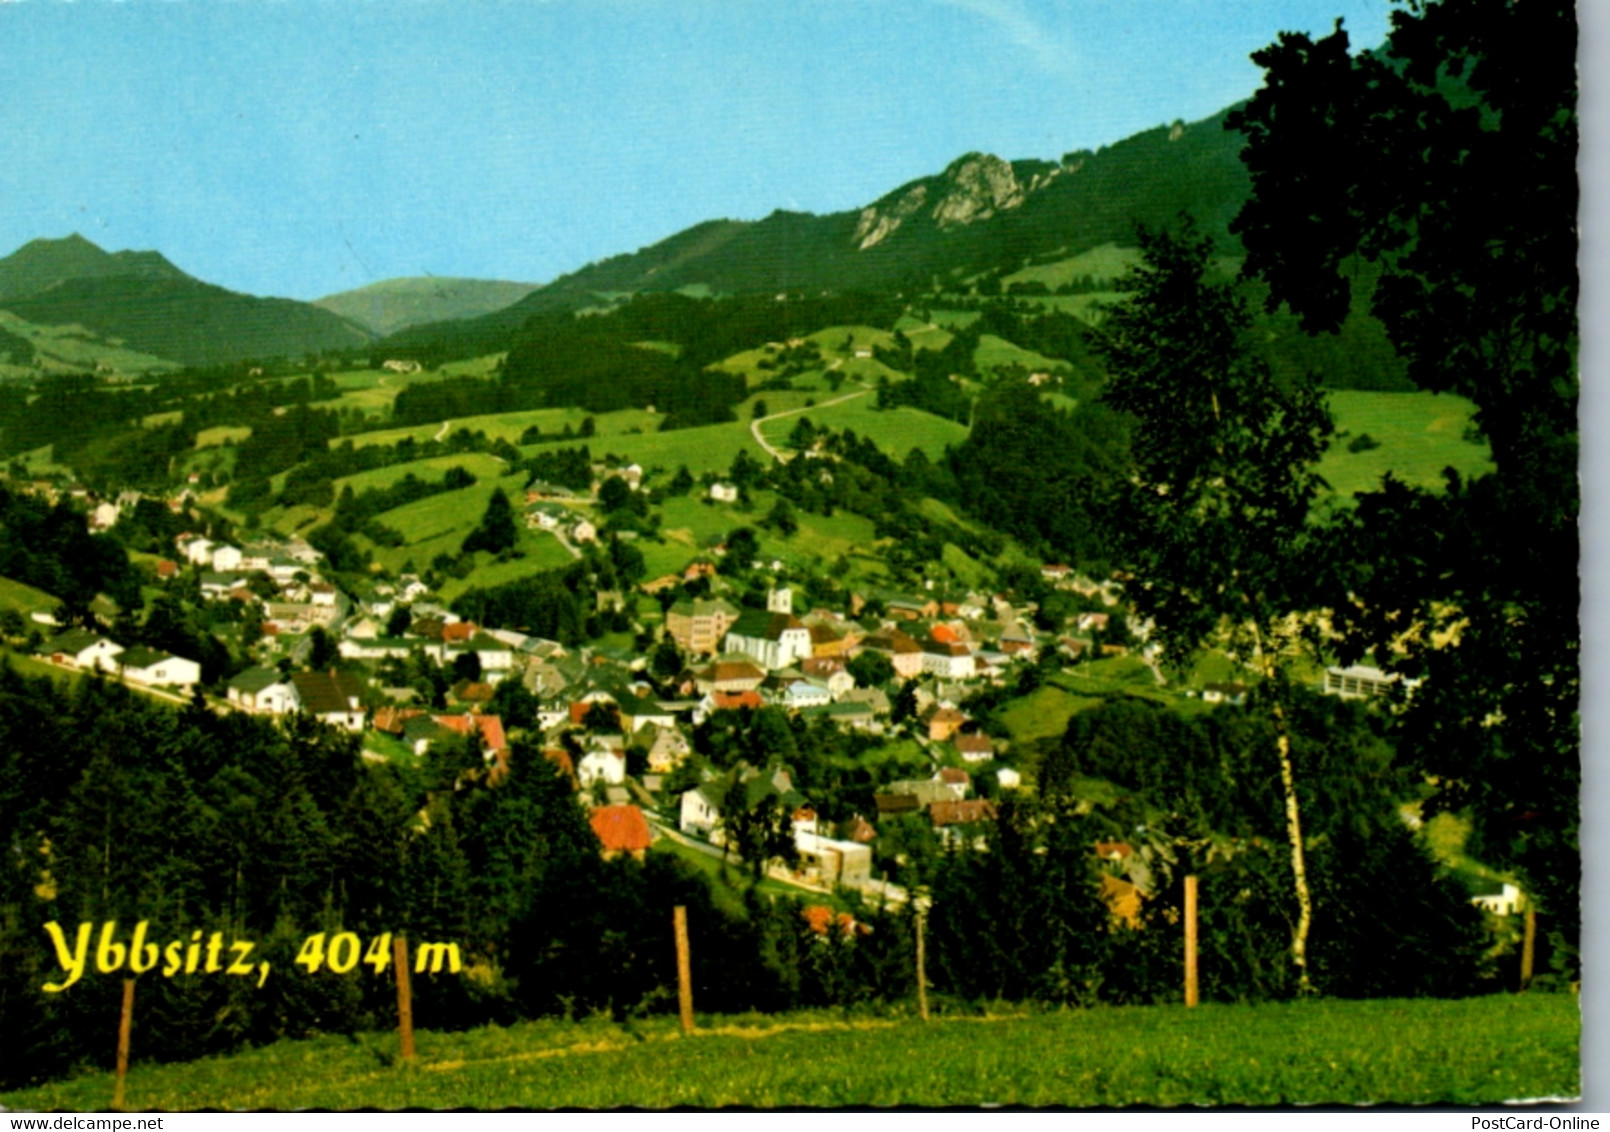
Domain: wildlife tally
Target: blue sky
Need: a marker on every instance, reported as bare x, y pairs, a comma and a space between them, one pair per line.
301, 147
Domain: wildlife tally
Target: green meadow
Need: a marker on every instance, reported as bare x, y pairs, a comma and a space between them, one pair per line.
690, 525
23, 598
1108, 261
1420, 434
993, 352
511, 426
1478, 1051
707, 448
897, 431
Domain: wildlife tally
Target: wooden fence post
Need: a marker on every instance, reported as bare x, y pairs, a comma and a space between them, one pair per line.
684, 968
124, 1023
922, 965
1190, 941
405, 997
1528, 946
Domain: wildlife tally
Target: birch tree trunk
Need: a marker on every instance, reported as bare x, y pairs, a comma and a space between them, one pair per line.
1294, 834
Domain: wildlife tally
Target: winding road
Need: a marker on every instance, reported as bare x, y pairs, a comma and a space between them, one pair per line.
778, 454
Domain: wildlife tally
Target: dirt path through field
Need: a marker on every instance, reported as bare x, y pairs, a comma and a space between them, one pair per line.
776, 453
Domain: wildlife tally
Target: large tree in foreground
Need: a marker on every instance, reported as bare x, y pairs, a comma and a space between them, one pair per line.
1447, 166
1213, 513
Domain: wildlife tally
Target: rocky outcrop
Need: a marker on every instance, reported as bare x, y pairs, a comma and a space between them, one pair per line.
974, 188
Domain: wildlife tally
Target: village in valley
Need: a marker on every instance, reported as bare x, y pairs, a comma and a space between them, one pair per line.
622, 724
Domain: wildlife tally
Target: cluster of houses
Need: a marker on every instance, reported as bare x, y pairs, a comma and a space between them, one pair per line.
103, 511
87, 651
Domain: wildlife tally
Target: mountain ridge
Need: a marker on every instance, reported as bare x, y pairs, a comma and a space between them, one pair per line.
142, 299
981, 213
389, 305
44, 263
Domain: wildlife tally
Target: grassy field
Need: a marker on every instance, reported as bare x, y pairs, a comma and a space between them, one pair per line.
1419, 434
708, 448
690, 524
1043, 713
993, 352
896, 431
72, 348
437, 524
509, 426
479, 464
1401, 1052
1109, 261
1101, 264
24, 599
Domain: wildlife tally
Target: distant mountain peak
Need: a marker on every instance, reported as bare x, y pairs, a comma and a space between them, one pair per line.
44, 263
974, 187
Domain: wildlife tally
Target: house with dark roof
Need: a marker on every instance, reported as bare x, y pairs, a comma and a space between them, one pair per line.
152, 667
262, 690
856, 714
729, 676
950, 660
638, 711
904, 653
826, 641
955, 821
956, 779
334, 697
80, 648
773, 640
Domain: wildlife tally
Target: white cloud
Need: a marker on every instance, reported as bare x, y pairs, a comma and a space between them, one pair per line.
1023, 30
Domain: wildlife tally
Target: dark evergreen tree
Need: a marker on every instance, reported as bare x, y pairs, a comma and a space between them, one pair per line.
498, 531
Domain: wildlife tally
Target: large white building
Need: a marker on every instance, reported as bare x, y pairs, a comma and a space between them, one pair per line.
773, 640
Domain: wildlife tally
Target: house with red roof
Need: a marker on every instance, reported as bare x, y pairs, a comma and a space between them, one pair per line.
621, 829
488, 727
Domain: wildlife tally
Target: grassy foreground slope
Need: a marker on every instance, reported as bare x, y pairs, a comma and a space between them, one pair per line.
1472, 1051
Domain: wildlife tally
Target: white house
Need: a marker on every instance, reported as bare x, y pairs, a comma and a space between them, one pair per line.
833, 862
149, 666
544, 518
804, 694
1505, 900
82, 649
1361, 681
606, 766
701, 813
226, 559
948, 660
198, 551
264, 691
103, 517
723, 493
